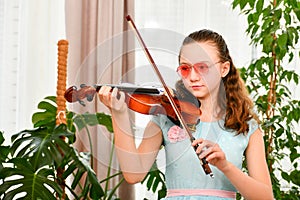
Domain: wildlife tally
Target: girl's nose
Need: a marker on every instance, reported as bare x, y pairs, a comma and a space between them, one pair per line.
194, 76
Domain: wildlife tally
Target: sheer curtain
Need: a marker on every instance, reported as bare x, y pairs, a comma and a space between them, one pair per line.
29, 31
99, 53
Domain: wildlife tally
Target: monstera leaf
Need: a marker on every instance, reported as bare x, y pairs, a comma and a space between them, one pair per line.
77, 165
153, 179
88, 119
35, 154
4, 151
41, 145
22, 180
46, 117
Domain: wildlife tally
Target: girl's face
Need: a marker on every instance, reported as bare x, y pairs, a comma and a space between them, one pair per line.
201, 69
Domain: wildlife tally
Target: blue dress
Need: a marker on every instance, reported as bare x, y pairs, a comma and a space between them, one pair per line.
185, 178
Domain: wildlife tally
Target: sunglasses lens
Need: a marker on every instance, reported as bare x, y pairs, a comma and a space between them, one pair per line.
184, 70
201, 68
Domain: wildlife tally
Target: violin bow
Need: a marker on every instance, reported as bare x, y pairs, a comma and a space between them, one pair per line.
203, 161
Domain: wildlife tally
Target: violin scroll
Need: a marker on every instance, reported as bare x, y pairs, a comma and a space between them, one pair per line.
72, 94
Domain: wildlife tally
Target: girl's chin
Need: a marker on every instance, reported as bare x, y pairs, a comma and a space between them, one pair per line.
198, 94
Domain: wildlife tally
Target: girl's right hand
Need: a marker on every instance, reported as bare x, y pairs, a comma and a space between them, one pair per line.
112, 98
212, 152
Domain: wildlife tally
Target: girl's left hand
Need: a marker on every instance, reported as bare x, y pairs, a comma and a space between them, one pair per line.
212, 152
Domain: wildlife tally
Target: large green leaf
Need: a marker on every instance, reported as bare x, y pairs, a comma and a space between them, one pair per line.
4, 150
105, 120
153, 179
23, 180
47, 116
89, 119
77, 165
40, 146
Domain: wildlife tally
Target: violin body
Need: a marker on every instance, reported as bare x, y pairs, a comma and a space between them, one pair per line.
149, 101
159, 104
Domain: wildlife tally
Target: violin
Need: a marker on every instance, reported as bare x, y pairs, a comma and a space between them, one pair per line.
144, 100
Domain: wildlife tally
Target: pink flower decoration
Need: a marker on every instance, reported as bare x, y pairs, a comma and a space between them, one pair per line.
176, 134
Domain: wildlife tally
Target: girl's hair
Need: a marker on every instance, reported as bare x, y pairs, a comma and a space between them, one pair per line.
235, 103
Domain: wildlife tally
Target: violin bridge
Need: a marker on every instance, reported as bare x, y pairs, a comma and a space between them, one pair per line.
192, 127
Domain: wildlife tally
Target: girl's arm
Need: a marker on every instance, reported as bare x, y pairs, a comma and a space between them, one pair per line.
134, 162
257, 185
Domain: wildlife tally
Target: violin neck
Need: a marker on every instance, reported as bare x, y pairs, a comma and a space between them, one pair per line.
133, 89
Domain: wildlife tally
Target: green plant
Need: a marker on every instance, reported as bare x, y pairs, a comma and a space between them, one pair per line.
155, 181
274, 26
29, 166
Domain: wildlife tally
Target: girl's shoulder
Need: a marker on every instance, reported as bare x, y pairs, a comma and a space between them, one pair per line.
253, 126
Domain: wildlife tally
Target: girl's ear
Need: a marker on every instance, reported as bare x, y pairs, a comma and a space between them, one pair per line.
225, 68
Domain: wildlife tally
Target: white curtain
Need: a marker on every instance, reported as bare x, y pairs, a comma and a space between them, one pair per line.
29, 32
99, 53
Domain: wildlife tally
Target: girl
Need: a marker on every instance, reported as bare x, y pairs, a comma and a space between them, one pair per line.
228, 130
